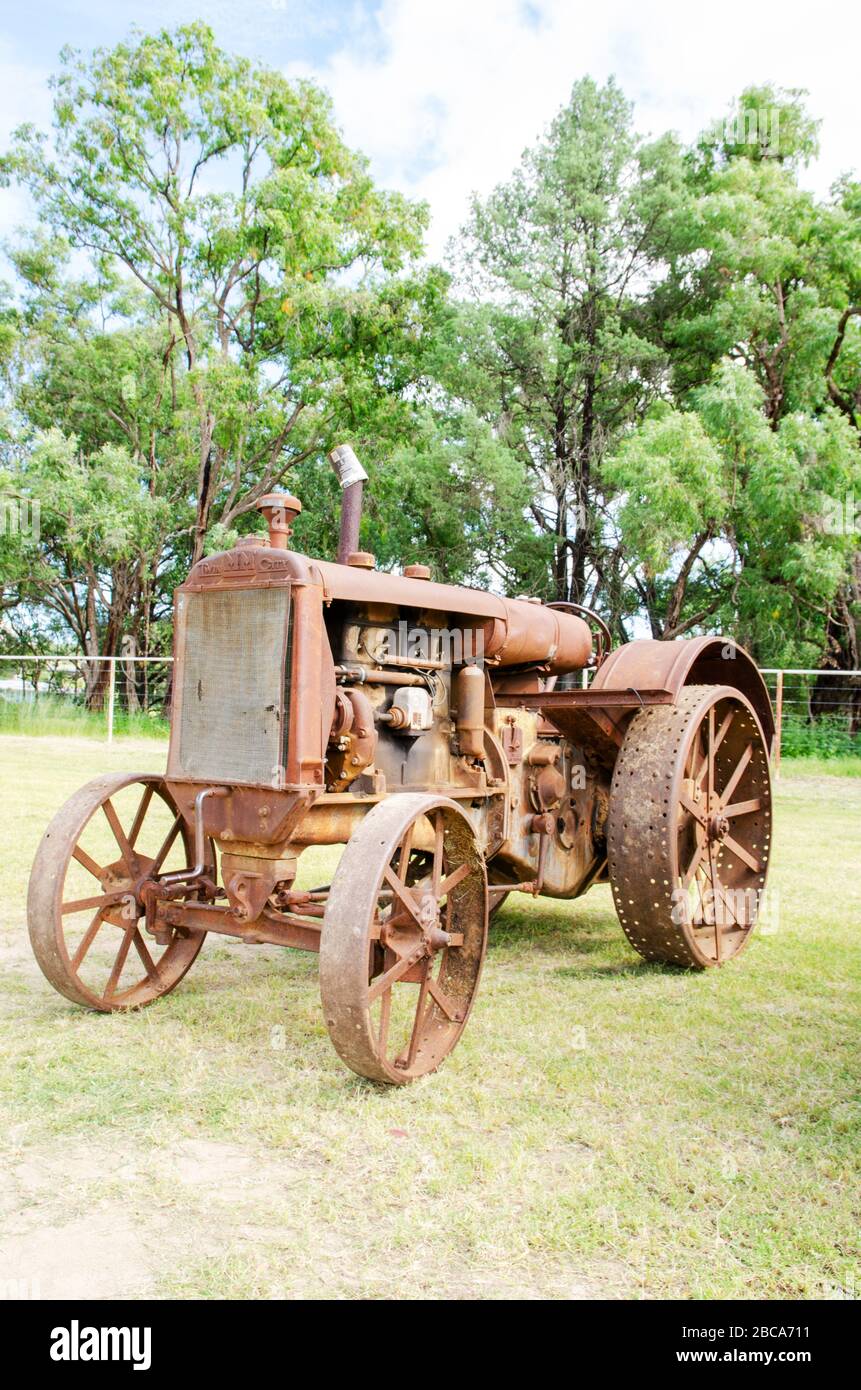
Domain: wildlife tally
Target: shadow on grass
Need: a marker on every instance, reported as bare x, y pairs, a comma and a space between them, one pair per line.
552, 933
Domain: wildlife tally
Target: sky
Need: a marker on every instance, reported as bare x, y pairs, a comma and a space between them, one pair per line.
444, 95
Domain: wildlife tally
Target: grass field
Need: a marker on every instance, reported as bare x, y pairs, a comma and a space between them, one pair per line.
605, 1128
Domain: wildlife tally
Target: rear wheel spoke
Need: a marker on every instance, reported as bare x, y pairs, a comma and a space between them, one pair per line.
737, 775
741, 853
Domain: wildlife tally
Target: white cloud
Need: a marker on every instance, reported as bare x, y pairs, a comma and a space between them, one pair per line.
445, 96
452, 94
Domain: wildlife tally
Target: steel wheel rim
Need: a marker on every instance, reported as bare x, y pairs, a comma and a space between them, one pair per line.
659, 820
372, 944
731, 862
119, 909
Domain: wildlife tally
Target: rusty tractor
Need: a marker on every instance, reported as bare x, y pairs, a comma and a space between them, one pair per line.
448, 738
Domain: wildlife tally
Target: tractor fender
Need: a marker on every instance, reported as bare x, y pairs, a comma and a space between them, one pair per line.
670, 666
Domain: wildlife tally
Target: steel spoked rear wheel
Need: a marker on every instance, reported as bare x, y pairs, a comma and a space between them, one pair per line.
84, 908
689, 828
404, 938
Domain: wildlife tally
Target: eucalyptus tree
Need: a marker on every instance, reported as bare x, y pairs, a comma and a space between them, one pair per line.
552, 343
258, 238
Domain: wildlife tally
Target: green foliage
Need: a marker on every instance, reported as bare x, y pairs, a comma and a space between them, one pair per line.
547, 344
827, 737
640, 387
250, 300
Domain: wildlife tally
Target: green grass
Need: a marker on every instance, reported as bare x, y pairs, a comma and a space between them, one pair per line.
51, 716
842, 766
605, 1128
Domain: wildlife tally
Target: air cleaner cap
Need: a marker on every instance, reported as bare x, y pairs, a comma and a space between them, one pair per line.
280, 511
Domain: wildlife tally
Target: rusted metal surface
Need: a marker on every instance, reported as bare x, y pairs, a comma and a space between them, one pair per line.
409, 899
352, 477
670, 666
421, 725
64, 929
689, 827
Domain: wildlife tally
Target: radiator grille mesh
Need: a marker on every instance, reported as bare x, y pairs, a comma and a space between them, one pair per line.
233, 698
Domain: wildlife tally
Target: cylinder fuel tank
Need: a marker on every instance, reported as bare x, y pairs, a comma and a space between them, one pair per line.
529, 634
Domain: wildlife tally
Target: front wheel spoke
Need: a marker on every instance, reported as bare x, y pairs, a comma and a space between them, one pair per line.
86, 941
385, 1020
438, 850
736, 776
406, 851
741, 853
447, 1004
148, 963
140, 813
403, 893
88, 862
453, 879
122, 953
392, 975
166, 845
419, 1015
721, 903
119, 835
81, 904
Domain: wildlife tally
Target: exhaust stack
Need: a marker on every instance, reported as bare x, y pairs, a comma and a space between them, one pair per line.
352, 477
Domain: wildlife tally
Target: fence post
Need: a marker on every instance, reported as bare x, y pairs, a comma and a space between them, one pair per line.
112, 683
778, 724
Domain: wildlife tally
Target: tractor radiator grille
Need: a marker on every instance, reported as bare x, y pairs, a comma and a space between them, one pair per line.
234, 674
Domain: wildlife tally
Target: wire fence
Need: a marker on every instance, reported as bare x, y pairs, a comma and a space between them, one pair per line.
120, 693
816, 712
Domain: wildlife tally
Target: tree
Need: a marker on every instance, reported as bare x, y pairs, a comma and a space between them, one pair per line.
763, 275
724, 517
249, 302
256, 234
555, 267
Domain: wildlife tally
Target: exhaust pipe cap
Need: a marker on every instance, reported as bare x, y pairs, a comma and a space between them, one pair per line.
347, 466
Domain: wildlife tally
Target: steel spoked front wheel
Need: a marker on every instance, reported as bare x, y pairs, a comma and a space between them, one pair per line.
85, 909
689, 827
404, 937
